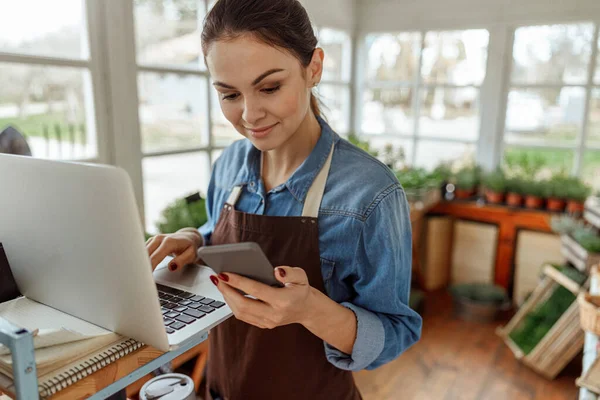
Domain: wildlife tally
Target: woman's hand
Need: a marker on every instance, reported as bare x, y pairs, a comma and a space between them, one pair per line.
182, 244
274, 306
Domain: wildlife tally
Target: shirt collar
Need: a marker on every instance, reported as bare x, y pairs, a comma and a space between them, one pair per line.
301, 180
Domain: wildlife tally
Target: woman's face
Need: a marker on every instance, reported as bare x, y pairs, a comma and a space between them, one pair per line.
263, 91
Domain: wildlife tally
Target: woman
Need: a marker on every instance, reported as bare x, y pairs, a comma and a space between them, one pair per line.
332, 218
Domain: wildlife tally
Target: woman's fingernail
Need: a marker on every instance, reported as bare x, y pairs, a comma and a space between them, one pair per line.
224, 277
172, 267
281, 272
214, 280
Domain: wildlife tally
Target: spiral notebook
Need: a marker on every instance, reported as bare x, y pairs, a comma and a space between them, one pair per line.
67, 374
67, 349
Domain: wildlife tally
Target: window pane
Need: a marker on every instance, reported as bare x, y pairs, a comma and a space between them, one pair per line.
172, 111
52, 106
337, 46
450, 113
223, 132
554, 160
545, 116
597, 75
552, 54
431, 153
335, 106
388, 111
457, 57
168, 32
41, 27
591, 169
167, 178
594, 121
393, 57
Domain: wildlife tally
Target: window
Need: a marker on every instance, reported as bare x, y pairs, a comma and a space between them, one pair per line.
334, 89
45, 78
424, 88
554, 78
173, 95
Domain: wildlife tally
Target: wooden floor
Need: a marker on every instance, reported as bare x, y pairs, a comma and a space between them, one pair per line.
462, 360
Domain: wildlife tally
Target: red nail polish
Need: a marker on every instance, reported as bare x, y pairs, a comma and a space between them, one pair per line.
172, 266
214, 280
224, 277
281, 272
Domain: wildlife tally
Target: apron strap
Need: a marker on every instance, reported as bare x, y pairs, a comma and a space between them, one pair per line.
314, 196
312, 202
234, 196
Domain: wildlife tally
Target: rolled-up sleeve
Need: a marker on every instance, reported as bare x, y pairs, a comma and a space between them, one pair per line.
386, 325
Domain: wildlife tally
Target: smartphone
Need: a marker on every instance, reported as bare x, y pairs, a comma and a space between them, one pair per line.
246, 259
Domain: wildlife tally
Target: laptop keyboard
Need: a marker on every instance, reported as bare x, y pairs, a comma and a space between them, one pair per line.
181, 308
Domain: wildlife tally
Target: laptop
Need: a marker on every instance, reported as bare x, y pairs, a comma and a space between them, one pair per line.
73, 236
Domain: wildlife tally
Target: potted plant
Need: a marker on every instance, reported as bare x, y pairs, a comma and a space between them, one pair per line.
534, 193
514, 195
189, 211
577, 192
479, 301
494, 184
555, 193
465, 181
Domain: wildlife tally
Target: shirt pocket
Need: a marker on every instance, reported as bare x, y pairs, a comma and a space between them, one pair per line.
327, 267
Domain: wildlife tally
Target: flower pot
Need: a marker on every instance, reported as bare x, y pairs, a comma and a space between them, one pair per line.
479, 302
554, 204
575, 207
514, 199
533, 202
464, 193
494, 197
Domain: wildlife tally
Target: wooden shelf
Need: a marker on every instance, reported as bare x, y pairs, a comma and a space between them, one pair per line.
509, 221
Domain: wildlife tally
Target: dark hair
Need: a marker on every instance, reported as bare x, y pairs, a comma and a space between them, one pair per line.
279, 23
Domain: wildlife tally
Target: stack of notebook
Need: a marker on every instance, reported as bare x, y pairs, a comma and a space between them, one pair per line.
67, 349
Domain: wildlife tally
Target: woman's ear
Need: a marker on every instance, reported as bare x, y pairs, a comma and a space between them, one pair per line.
315, 68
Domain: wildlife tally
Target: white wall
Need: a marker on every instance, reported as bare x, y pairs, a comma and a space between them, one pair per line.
381, 15
339, 14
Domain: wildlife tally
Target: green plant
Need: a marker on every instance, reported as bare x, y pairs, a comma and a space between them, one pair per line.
538, 322
534, 188
183, 213
362, 144
577, 190
417, 178
514, 185
480, 292
443, 172
524, 165
495, 181
557, 187
466, 178
565, 224
588, 238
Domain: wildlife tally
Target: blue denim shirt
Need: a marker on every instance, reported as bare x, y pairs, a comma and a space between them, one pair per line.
364, 237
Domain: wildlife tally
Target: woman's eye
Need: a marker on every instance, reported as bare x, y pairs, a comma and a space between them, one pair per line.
271, 89
230, 96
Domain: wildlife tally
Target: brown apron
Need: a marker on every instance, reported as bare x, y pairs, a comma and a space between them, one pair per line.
288, 362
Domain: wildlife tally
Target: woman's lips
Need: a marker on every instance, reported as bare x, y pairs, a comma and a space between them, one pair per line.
260, 133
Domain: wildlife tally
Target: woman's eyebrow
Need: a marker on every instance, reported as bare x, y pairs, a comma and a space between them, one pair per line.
255, 82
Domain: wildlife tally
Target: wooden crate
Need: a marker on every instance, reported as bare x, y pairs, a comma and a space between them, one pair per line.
577, 255
562, 342
592, 211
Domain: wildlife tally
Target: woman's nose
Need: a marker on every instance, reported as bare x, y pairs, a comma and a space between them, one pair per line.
253, 112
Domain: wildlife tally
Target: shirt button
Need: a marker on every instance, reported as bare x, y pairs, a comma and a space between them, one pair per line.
252, 184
